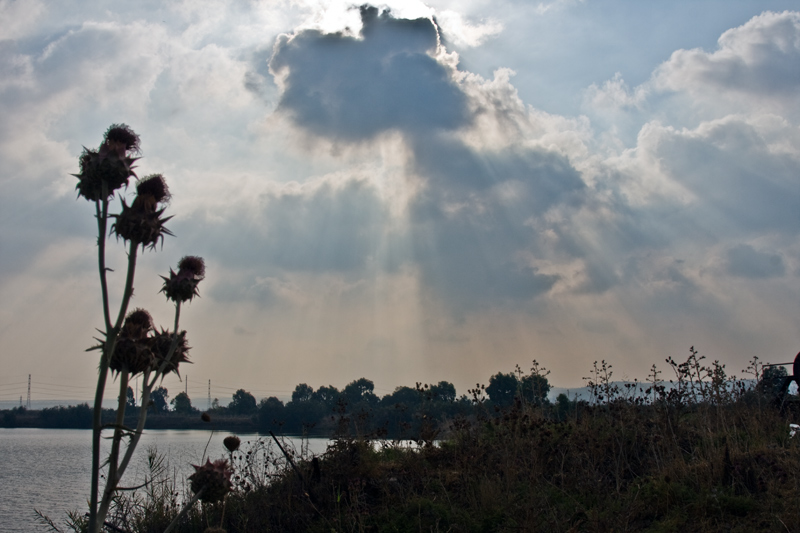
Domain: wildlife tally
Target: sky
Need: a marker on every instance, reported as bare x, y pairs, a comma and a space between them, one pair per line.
406, 191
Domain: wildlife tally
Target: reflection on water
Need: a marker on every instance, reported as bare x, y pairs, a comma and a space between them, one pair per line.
48, 469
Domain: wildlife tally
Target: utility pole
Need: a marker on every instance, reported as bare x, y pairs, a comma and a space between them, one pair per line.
186, 386
29, 391
209, 395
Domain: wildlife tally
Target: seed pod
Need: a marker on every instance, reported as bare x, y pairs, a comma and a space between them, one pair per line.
232, 443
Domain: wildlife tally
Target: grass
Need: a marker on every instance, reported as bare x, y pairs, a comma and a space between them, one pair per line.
718, 461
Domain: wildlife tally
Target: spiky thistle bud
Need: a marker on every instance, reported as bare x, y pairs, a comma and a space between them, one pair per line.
137, 324
182, 286
232, 443
142, 222
214, 478
161, 343
110, 164
132, 351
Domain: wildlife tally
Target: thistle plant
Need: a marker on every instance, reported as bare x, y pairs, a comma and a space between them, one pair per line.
129, 343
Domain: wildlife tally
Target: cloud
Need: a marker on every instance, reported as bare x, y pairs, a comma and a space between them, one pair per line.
746, 262
429, 196
355, 88
761, 57
329, 227
18, 18
614, 94
469, 223
459, 32
743, 183
544, 7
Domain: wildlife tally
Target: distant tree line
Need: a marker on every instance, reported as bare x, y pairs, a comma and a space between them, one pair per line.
407, 412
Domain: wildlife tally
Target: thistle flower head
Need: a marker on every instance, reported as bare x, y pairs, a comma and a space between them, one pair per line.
124, 135
142, 222
108, 168
161, 343
137, 324
214, 477
182, 286
132, 352
154, 186
232, 443
192, 265
132, 355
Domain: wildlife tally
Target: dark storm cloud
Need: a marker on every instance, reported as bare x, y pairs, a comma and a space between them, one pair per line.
746, 262
469, 227
353, 89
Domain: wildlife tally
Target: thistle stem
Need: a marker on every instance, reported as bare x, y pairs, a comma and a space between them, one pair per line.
146, 388
102, 224
185, 509
128, 293
172, 347
97, 415
113, 476
96, 519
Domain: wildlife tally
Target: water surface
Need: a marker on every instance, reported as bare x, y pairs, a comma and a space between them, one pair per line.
48, 469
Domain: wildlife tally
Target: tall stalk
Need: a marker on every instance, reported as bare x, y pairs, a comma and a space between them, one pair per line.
97, 415
130, 345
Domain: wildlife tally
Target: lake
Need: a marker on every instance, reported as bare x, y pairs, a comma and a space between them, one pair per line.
48, 469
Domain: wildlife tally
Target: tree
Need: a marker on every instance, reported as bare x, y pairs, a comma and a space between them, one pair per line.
772, 380
158, 399
271, 414
329, 396
182, 404
565, 406
359, 391
443, 391
502, 389
302, 393
243, 403
131, 401
402, 396
535, 389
